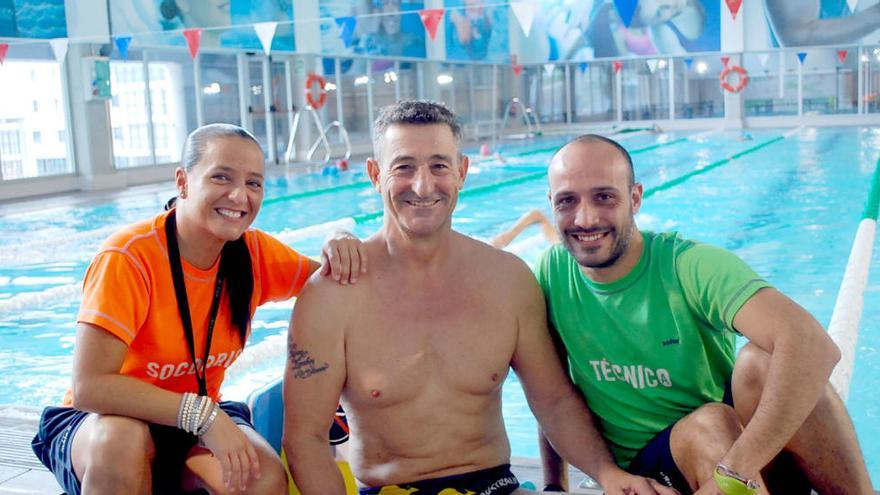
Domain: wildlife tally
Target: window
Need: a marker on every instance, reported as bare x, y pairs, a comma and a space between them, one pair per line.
38, 138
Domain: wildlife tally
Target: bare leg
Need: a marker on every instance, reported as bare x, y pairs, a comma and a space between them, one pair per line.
203, 470
825, 447
113, 454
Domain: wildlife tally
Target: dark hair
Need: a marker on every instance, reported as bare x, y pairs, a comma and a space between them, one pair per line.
416, 112
592, 138
235, 258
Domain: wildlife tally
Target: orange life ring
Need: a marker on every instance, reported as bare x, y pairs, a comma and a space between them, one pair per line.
743, 78
322, 96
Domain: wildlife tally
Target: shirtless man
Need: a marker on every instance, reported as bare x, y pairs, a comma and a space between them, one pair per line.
420, 348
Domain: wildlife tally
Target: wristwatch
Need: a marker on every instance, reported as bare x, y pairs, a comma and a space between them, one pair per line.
553, 487
732, 483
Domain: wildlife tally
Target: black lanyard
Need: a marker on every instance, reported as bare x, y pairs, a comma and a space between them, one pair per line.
183, 302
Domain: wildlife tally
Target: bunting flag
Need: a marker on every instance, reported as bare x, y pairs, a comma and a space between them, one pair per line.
583, 67
725, 60
346, 29
265, 31
841, 55
802, 56
517, 69
652, 64
122, 44
548, 69
617, 65
525, 11
193, 40
431, 19
4, 47
733, 6
59, 48
688, 62
852, 5
763, 58
626, 9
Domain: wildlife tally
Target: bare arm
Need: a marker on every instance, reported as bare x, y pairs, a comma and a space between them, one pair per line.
562, 414
532, 216
98, 387
802, 356
313, 381
798, 23
554, 467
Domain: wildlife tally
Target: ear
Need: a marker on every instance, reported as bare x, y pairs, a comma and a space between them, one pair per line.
373, 173
180, 182
464, 163
637, 192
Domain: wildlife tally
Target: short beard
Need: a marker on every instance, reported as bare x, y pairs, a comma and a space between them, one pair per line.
617, 250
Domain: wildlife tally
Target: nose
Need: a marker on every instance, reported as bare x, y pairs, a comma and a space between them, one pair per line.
586, 216
423, 182
238, 194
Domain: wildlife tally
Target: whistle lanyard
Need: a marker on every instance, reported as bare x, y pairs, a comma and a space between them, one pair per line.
183, 303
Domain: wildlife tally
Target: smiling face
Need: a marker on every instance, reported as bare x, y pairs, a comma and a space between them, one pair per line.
419, 171
593, 207
221, 195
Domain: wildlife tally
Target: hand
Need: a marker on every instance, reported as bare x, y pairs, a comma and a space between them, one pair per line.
622, 483
236, 454
343, 257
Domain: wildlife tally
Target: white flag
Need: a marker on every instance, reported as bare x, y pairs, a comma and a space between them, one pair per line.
548, 69
763, 58
652, 64
525, 13
852, 5
266, 31
59, 48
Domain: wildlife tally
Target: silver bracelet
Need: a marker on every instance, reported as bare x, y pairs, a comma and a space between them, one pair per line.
210, 421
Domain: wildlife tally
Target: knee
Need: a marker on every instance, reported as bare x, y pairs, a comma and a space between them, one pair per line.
710, 430
750, 371
121, 451
273, 481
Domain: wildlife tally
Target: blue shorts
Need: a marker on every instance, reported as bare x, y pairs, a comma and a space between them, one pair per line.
493, 481
58, 425
655, 459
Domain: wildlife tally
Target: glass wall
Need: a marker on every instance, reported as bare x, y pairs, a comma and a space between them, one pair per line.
593, 92
129, 118
219, 80
871, 68
33, 115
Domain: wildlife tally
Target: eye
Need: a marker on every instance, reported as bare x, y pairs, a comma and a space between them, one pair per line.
255, 184
440, 166
564, 202
604, 197
220, 177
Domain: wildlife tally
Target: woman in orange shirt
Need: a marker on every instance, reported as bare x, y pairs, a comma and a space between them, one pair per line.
167, 304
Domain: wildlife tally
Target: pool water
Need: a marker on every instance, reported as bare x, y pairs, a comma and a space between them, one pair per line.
790, 210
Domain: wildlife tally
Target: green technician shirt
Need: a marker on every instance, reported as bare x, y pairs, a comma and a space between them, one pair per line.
649, 348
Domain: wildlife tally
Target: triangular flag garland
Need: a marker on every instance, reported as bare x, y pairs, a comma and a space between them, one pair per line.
763, 58
583, 67
852, 5
841, 55
431, 19
548, 69
346, 29
517, 68
802, 56
524, 11
688, 62
266, 32
193, 40
122, 44
652, 64
59, 48
4, 47
617, 65
725, 60
733, 6
626, 9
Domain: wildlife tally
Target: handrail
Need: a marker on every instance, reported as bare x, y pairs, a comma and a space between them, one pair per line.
343, 135
290, 153
524, 112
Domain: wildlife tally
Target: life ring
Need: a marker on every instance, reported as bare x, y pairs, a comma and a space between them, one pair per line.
743, 78
322, 96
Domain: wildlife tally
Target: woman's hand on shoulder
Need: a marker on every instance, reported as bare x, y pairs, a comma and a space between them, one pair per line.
343, 257
237, 456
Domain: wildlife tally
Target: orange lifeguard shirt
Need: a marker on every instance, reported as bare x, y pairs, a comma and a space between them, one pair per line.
128, 291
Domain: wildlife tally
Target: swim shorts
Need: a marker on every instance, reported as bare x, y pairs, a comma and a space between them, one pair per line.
655, 459
58, 425
493, 481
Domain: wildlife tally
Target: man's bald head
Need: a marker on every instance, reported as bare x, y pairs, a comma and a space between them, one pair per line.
594, 140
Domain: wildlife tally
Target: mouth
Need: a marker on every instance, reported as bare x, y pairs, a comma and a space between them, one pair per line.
422, 203
232, 214
589, 238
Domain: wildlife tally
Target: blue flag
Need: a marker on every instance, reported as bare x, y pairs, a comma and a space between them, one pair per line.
802, 56
626, 9
346, 29
122, 43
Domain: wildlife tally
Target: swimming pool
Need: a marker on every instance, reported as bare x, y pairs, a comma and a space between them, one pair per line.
790, 210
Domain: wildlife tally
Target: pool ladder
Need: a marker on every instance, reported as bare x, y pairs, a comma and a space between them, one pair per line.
530, 120
322, 141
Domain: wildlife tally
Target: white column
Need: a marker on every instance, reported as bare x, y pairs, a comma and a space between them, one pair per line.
618, 95
244, 92
271, 139
671, 68
800, 88
197, 87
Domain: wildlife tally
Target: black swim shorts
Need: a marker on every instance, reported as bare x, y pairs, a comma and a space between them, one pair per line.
493, 481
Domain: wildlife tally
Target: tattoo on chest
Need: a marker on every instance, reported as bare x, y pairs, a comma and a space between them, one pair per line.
302, 364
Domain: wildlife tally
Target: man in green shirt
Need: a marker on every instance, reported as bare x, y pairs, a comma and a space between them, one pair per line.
648, 322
